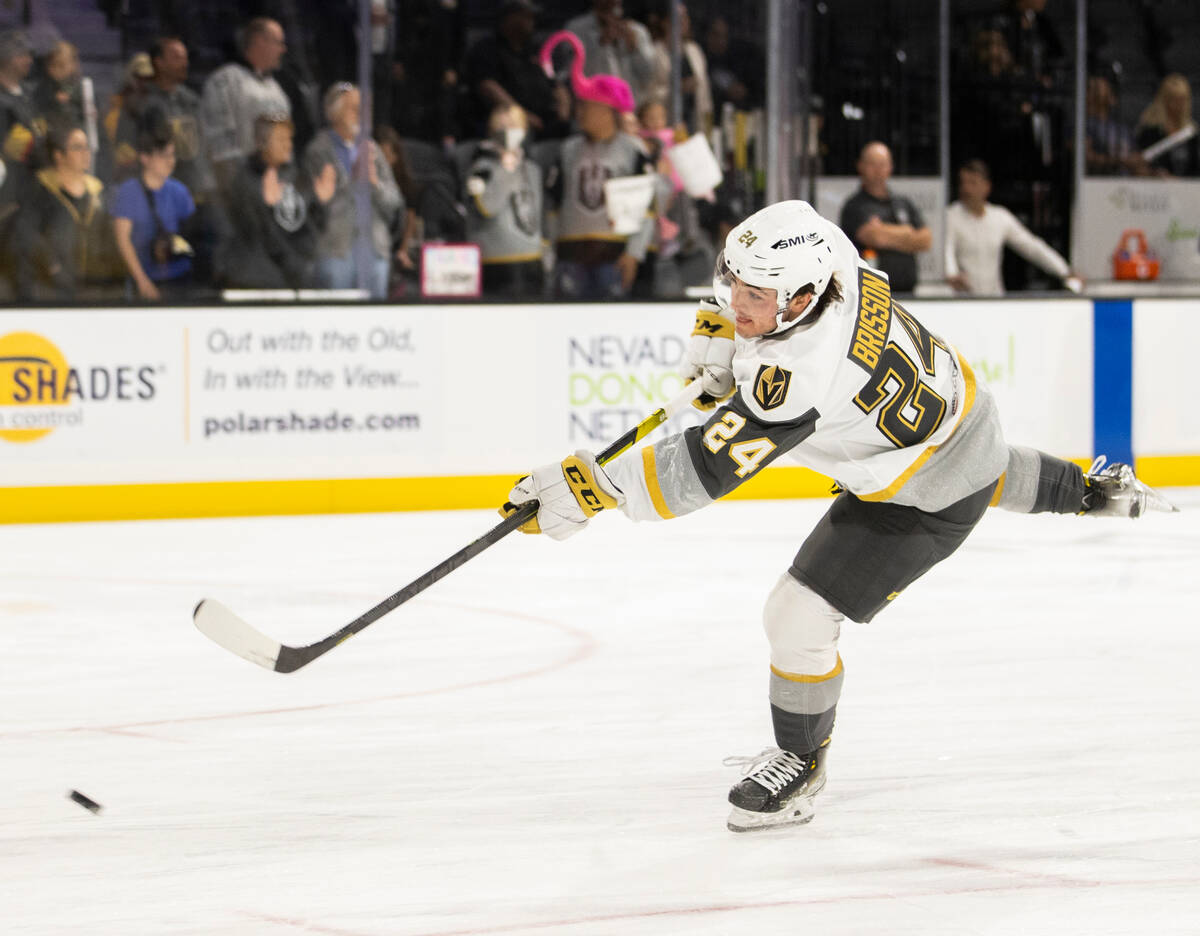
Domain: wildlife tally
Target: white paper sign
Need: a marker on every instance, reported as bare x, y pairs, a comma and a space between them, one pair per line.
450, 270
627, 200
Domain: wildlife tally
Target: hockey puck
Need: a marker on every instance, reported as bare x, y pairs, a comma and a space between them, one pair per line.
86, 802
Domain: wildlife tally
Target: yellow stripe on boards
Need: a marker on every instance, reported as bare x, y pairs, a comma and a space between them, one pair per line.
250, 498
797, 677
1168, 470
57, 504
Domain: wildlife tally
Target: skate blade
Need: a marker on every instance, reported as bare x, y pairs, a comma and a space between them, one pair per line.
743, 820
1155, 501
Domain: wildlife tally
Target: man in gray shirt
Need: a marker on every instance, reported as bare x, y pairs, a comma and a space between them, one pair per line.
237, 94
353, 156
614, 45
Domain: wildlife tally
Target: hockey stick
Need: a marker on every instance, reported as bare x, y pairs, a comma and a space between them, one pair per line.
224, 627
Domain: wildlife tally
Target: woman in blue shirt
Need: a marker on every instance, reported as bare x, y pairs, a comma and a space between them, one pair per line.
148, 211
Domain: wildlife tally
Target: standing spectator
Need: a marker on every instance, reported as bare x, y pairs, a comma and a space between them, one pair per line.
237, 94
340, 146
502, 71
19, 138
1037, 50
733, 69
148, 213
977, 233
63, 235
275, 215
19, 134
1109, 142
405, 235
697, 113
887, 229
615, 45
58, 96
178, 108
425, 95
593, 262
505, 209
125, 107
680, 253
1170, 112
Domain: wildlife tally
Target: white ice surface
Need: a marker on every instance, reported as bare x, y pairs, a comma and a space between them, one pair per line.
534, 745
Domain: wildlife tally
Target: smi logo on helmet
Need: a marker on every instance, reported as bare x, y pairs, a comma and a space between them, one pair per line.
40, 391
812, 239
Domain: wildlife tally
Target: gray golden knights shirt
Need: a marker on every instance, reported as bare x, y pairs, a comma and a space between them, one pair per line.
505, 217
180, 110
577, 187
865, 395
234, 98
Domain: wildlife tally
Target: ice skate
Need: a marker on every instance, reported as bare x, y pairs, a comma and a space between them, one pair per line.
1115, 491
778, 789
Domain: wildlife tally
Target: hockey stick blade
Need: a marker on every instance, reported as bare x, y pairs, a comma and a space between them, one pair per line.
225, 628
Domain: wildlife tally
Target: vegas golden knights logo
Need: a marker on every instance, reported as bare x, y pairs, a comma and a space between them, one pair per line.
771, 385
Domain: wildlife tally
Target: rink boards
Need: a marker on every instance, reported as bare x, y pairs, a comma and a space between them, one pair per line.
132, 413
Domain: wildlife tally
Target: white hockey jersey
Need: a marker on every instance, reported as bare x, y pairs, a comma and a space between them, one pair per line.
864, 394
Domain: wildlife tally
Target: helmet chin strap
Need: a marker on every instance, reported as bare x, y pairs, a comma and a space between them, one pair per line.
781, 325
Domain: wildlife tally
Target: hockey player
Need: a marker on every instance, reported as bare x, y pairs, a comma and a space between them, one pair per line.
806, 353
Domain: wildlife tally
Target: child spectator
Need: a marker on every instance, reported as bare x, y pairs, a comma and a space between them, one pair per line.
148, 212
504, 190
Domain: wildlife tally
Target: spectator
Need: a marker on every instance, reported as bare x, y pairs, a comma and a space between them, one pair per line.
977, 233
887, 229
425, 93
502, 70
58, 97
178, 108
404, 238
680, 253
732, 72
505, 209
63, 232
148, 214
697, 113
274, 214
125, 107
592, 261
19, 139
616, 46
352, 158
18, 116
1171, 112
1036, 48
237, 94
1110, 149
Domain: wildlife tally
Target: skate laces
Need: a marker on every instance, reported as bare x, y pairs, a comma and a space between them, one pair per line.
1099, 463
772, 768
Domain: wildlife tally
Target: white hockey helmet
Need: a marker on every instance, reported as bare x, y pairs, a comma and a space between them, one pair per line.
786, 247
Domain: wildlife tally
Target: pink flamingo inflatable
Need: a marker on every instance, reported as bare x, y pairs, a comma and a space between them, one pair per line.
604, 89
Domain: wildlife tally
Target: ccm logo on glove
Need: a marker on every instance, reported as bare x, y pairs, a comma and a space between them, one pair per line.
591, 498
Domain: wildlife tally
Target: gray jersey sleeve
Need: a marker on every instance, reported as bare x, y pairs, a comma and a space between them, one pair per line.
690, 470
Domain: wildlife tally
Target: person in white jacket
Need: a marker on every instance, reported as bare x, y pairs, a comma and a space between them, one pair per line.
977, 233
